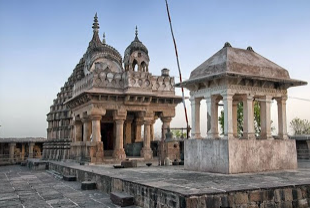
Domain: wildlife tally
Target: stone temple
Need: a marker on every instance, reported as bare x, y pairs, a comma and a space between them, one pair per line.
105, 102
234, 75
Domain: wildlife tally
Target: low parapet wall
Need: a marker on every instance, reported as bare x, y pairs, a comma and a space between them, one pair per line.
239, 156
150, 196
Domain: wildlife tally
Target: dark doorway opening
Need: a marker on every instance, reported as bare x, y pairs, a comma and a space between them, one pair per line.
107, 135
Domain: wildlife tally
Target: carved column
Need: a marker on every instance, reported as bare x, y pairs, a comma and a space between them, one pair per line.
31, 145
195, 109
228, 121
282, 125
11, 151
235, 118
128, 130
166, 124
23, 152
248, 117
147, 152
152, 131
212, 117
265, 120
86, 128
138, 122
119, 152
96, 135
78, 130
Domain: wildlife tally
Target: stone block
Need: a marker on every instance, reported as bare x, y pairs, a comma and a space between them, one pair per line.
122, 199
288, 196
285, 204
297, 194
129, 163
241, 198
256, 196
69, 177
302, 203
192, 202
88, 185
213, 201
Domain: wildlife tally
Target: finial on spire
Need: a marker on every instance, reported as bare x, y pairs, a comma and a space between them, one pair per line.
136, 31
103, 39
96, 24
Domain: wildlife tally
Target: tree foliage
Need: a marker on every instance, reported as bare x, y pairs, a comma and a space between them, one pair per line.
300, 127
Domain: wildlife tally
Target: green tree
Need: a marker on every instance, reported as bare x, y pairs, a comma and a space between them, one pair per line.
300, 127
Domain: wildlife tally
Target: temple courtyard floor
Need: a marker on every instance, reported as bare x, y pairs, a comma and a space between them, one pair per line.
153, 187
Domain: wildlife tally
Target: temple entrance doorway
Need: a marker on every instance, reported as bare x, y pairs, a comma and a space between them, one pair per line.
107, 137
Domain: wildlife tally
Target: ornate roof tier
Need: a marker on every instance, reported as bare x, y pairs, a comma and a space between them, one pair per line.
235, 62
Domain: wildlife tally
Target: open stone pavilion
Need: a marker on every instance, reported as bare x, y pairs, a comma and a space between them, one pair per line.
234, 75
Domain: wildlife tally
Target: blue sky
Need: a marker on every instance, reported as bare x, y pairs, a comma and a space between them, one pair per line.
42, 41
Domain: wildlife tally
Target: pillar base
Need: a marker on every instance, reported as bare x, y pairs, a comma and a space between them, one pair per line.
119, 154
249, 136
147, 153
283, 136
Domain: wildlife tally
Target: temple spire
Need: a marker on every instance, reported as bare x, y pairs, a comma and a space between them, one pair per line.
103, 39
96, 24
136, 33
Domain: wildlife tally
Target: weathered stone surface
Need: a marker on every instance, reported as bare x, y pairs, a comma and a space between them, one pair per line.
129, 163
88, 185
122, 199
69, 177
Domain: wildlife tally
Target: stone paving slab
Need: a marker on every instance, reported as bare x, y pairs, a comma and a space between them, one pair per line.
178, 180
20, 187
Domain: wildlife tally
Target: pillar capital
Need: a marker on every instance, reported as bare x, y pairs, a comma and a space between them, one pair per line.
148, 121
94, 117
227, 95
166, 119
13, 144
120, 114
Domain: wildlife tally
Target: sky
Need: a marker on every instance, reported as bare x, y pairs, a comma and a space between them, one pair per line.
42, 41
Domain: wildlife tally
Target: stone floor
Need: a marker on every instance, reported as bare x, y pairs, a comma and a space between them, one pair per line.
20, 187
178, 180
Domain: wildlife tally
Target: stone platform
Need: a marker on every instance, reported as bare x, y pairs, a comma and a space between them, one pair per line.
173, 186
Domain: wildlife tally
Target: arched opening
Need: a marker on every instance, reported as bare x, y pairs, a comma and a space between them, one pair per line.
135, 65
144, 67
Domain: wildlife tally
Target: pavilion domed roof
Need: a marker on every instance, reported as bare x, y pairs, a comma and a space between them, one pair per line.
231, 61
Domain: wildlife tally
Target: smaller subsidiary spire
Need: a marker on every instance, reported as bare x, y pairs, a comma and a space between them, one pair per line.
96, 24
136, 31
103, 39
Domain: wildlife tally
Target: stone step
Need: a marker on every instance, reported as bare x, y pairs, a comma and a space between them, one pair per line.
69, 177
88, 185
122, 199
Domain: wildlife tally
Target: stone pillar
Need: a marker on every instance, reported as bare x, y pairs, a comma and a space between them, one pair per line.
128, 130
22, 155
86, 129
248, 117
96, 134
119, 152
78, 130
235, 118
195, 110
228, 121
31, 145
139, 122
146, 151
11, 151
265, 121
282, 125
152, 131
166, 123
212, 117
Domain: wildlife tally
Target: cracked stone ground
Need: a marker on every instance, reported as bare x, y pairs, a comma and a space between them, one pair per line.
20, 187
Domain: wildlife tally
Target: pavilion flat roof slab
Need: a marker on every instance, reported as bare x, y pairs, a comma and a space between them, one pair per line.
22, 140
177, 180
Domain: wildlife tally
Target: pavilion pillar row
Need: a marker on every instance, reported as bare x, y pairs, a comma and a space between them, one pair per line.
31, 145
146, 151
127, 131
212, 117
195, 109
23, 152
96, 134
265, 120
282, 128
248, 117
228, 117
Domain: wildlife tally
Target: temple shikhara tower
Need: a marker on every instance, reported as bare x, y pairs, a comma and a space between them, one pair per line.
106, 101
231, 76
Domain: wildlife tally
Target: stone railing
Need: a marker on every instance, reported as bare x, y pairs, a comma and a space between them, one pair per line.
142, 81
